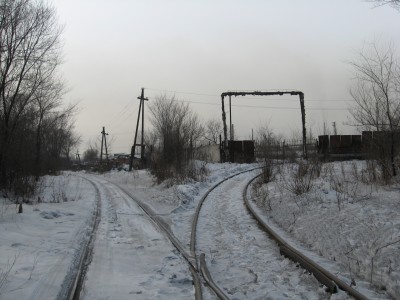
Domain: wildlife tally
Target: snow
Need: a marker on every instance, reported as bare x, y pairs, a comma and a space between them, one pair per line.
132, 258
365, 228
242, 258
44, 242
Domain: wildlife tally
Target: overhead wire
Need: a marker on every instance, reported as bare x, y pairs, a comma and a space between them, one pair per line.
253, 98
126, 108
254, 106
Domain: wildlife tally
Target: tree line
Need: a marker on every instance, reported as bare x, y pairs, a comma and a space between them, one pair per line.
36, 128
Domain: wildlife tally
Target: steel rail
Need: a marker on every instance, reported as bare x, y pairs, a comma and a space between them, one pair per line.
207, 276
76, 284
324, 276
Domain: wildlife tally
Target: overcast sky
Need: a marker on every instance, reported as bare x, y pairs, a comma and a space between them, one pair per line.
196, 50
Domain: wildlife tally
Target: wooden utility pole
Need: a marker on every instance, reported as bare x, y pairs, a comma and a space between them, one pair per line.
141, 109
230, 119
78, 157
103, 141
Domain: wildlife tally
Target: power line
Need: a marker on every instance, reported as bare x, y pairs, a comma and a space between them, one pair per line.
255, 106
122, 111
180, 92
269, 99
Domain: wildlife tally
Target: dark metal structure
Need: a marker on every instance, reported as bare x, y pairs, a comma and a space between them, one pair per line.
241, 151
356, 145
259, 93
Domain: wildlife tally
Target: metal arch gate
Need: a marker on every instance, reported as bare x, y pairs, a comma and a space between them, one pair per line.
259, 93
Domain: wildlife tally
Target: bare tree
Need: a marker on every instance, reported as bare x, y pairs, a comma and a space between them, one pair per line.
213, 129
267, 142
176, 129
393, 3
92, 153
30, 54
377, 97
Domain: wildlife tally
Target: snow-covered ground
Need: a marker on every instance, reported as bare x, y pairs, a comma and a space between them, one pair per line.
131, 258
38, 248
345, 218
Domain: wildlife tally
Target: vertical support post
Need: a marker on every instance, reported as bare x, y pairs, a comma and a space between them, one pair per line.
105, 145
303, 120
141, 109
230, 119
101, 151
225, 145
142, 139
134, 140
103, 142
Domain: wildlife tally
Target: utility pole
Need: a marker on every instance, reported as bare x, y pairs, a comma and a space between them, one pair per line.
334, 128
78, 157
103, 141
230, 119
141, 109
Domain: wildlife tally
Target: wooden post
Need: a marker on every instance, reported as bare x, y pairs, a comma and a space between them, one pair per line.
101, 151
105, 145
141, 108
142, 139
230, 119
303, 121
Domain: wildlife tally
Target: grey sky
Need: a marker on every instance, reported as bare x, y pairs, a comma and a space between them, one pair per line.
203, 48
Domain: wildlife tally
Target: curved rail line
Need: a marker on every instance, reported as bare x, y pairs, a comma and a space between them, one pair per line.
324, 276
200, 261
194, 264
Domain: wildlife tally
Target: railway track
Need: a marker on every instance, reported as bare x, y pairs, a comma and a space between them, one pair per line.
157, 221
177, 244
200, 259
195, 263
196, 259
238, 238
74, 284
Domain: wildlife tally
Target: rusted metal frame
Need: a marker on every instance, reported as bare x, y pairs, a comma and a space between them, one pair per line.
259, 93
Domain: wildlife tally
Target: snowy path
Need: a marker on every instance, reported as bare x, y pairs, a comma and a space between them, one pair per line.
131, 258
241, 258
